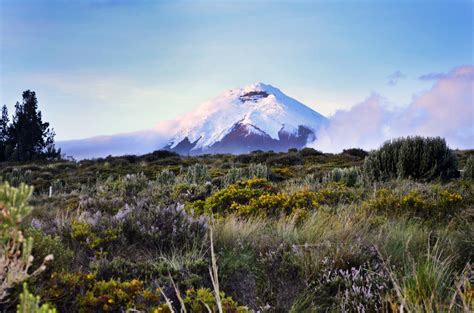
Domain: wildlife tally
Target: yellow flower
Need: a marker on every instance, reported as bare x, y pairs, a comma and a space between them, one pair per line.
111, 301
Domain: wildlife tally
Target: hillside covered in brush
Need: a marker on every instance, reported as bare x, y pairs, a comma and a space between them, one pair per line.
296, 231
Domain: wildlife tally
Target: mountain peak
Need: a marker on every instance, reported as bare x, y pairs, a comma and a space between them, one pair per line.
229, 122
262, 87
259, 87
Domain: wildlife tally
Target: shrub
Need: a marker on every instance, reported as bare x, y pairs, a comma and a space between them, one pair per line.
162, 228
113, 295
103, 202
63, 288
17, 176
307, 152
280, 174
132, 184
233, 175
15, 250
229, 199
349, 176
468, 171
358, 289
166, 178
95, 237
356, 152
127, 269
412, 157
160, 154
236, 174
261, 156
84, 293
31, 304
435, 205
264, 205
257, 198
197, 174
258, 171
45, 245
287, 159
243, 158
335, 194
305, 200
203, 300
386, 201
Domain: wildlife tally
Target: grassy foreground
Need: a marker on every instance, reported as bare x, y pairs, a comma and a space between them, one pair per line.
291, 232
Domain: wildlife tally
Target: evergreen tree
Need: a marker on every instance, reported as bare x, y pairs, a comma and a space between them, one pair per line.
4, 120
29, 137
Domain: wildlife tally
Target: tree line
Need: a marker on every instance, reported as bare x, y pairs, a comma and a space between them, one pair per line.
26, 137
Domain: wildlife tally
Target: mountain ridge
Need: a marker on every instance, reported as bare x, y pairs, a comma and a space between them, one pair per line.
258, 117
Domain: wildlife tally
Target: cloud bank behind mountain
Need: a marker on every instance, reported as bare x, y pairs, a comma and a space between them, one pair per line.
445, 110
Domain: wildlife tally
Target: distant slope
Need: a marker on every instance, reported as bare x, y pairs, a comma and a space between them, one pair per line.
130, 143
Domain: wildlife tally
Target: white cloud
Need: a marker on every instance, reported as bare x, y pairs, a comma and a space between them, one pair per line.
446, 110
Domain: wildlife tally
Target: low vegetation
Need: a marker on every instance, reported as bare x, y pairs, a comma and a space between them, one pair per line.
300, 231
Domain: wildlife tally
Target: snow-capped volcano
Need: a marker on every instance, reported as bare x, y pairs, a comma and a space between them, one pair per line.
256, 117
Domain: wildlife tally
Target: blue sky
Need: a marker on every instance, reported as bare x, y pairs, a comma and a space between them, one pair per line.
105, 67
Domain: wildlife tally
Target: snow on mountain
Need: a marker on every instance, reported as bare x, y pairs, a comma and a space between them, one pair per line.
256, 111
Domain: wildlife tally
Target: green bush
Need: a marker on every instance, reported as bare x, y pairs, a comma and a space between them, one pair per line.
468, 171
349, 176
356, 152
307, 152
203, 300
288, 159
234, 174
416, 158
45, 245
258, 171
166, 178
113, 295
17, 176
96, 237
16, 257
31, 304
197, 174
132, 184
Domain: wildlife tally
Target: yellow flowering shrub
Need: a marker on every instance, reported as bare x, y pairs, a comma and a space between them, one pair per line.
256, 197
335, 193
450, 198
114, 295
433, 205
83, 233
264, 205
202, 299
241, 193
304, 200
